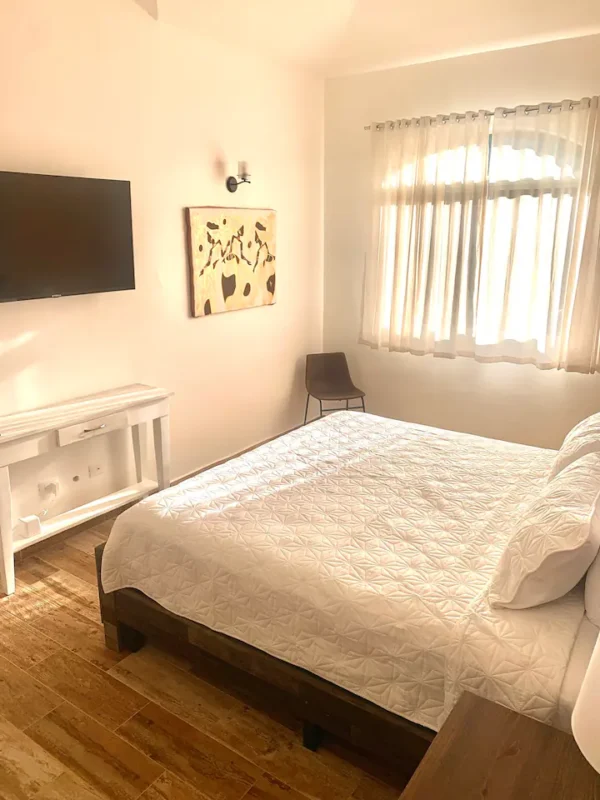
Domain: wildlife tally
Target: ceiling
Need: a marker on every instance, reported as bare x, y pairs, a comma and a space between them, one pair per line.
341, 36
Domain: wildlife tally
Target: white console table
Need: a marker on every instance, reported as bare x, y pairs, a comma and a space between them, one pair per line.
42, 430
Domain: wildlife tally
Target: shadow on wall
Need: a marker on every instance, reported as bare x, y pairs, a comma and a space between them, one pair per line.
21, 390
151, 6
17, 359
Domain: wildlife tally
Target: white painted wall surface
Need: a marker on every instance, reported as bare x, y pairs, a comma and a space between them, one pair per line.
506, 401
101, 89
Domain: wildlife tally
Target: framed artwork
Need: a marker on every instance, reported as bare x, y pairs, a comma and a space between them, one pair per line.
232, 254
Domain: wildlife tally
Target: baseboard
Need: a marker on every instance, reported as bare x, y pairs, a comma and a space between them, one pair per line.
235, 455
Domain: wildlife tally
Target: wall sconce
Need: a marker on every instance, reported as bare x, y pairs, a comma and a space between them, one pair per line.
232, 183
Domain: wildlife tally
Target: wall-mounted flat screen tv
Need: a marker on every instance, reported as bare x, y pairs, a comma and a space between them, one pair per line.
63, 236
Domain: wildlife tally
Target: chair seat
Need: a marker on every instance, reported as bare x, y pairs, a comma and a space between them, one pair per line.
338, 394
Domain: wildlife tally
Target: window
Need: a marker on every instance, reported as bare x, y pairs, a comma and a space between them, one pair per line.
485, 236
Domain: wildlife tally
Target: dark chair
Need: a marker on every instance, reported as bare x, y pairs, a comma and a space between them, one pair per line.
328, 378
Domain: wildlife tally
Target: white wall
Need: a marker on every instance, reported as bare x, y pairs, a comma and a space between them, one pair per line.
102, 89
507, 401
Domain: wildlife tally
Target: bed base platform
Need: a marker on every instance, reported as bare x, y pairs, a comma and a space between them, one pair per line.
130, 617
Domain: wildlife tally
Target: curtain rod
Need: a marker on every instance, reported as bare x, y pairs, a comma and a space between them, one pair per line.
506, 111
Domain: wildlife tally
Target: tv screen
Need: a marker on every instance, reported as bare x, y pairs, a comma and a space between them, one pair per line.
63, 236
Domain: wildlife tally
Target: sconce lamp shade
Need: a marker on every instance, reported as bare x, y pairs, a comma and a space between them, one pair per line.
586, 714
243, 176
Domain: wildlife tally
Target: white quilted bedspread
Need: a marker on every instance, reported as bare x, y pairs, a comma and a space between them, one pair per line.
361, 549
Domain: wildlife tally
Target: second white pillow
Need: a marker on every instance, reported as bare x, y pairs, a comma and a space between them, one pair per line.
555, 541
584, 438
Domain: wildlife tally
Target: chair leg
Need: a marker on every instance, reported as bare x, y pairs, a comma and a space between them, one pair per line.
306, 409
362, 399
346, 405
321, 409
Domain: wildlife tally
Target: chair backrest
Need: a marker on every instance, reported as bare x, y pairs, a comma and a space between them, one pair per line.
329, 369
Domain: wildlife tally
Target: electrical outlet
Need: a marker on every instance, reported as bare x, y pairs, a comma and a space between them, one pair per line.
48, 489
48, 492
94, 470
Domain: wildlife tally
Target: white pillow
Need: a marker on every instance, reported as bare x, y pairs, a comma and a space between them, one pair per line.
592, 592
584, 438
555, 541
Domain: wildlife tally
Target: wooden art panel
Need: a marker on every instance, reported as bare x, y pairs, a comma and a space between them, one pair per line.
232, 258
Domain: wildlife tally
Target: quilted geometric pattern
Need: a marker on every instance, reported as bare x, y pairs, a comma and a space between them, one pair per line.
584, 438
554, 542
358, 548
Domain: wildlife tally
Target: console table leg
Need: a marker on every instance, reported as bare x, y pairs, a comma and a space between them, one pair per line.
162, 451
7, 559
137, 452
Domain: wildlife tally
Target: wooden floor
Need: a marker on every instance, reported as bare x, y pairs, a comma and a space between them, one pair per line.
79, 721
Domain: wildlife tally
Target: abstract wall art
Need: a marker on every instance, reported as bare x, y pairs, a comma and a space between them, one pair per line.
232, 254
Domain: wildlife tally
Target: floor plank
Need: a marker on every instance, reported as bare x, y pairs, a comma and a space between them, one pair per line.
23, 699
29, 601
269, 788
99, 757
68, 787
193, 756
25, 767
254, 733
152, 674
59, 590
68, 591
321, 775
30, 570
378, 777
21, 644
89, 688
86, 541
370, 788
104, 527
170, 787
78, 634
157, 659
62, 556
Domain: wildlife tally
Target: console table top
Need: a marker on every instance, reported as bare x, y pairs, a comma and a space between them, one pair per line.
79, 409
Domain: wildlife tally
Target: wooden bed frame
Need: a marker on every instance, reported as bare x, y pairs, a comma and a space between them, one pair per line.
130, 616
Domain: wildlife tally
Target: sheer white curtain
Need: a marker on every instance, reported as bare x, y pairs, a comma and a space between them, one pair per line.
486, 236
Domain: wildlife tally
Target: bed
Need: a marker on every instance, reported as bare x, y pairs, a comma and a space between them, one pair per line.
360, 550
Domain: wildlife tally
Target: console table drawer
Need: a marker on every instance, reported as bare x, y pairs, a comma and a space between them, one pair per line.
91, 428
42, 431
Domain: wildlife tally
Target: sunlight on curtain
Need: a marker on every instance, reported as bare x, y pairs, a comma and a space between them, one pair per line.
485, 237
